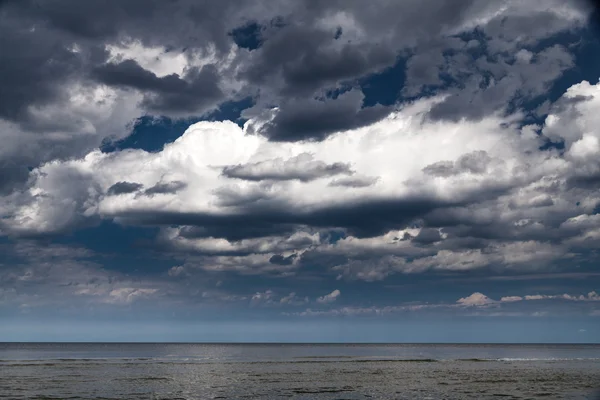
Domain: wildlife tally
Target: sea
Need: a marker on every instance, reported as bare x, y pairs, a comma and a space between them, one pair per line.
298, 371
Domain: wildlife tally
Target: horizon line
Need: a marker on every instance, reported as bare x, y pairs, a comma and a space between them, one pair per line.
301, 343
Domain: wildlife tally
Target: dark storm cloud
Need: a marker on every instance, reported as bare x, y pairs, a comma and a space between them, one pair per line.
365, 219
481, 223
315, 119
123, 188
129, 73
40, 38
294, 57
171, 94
233, 231
428, 236
51, 49
589, 179
198, 24
35, 66
302, 59
310, 64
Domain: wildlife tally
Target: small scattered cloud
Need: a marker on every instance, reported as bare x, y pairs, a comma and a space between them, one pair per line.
177, 271
511, 299
265, 297
127, 295
293, 299
329, 298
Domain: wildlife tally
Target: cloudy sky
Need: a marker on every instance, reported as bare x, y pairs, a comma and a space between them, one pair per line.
416, 170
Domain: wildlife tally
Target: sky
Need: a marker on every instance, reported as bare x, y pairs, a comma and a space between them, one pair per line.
300, 171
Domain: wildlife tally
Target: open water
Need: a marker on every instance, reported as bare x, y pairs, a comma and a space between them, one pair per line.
297, 371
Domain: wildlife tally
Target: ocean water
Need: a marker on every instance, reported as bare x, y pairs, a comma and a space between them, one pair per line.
297, 371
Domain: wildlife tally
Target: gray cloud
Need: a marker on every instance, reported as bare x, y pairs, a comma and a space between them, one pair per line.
165, 188
304, 77
195, 92
476, 163
329, 298
363, 219
312, 63
490, 86
354, 181
302, 167
314, 119
57, 53
428, 236
68, 43
123, 188
281, 260
51, 106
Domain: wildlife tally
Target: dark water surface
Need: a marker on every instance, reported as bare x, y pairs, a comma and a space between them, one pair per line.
298, 371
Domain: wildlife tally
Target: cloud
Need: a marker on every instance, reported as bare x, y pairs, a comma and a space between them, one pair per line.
166, 188
413, 137
293, 299
354, 181
510, 299
395, 201
177, 271
329, 298
127, 295
475, 163
316, 119
481, 201
193, 94
262, 297
591, 296
476, 299
56, 275
123, 188
302, 167
316, 62
282, 260
510, 82
76, 75
477, 304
